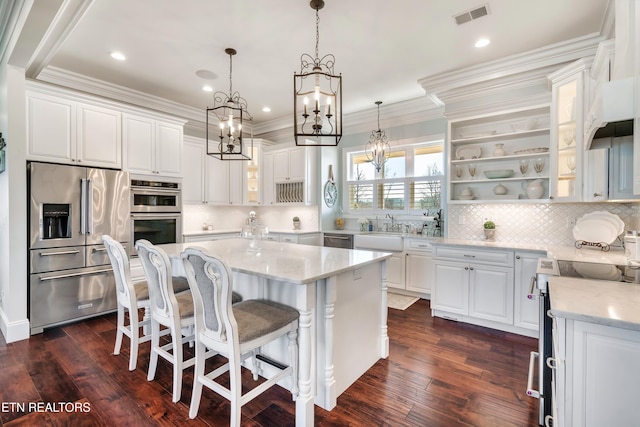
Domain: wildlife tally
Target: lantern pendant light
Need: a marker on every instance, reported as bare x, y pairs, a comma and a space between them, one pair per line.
317, 97
226, 130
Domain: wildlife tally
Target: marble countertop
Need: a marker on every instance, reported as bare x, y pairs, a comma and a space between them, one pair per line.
607, 303
290, 262
237, 230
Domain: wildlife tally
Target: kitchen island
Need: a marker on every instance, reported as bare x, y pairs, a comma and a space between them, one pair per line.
341, 295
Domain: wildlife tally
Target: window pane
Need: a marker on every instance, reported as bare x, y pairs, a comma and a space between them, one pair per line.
360, 168
425, 194
394, 167
391, 196
428, 164
360, 196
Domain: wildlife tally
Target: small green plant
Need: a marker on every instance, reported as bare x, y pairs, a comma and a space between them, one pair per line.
296, 219
489, 225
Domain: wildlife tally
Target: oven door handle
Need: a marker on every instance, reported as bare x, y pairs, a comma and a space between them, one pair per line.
533, 356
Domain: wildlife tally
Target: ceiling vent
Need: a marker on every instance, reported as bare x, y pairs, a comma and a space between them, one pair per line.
472, 14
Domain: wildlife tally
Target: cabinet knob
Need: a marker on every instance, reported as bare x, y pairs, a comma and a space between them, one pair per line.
550, 197
466, 268
470, 268
517, 256
597, 194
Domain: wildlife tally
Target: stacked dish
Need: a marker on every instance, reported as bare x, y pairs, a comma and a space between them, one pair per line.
598, 227
499, 173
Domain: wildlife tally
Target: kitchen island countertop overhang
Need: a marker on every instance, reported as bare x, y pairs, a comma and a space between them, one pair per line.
341, 295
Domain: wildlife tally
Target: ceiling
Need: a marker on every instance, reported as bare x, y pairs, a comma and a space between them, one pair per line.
382, 48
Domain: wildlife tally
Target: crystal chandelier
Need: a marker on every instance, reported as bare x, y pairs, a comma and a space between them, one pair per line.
377, 148
317, 98
225, 123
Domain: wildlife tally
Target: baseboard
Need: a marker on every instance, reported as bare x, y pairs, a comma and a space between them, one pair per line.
13, 331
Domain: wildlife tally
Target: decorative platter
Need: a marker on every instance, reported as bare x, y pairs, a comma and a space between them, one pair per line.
499, 173
604, 216
595, 271
595, 230
478, 134
468, 152
532, 150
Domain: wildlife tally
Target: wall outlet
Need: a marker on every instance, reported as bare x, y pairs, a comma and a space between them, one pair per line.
571, 222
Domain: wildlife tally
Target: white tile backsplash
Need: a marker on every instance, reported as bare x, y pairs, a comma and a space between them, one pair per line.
532, 223
234, 217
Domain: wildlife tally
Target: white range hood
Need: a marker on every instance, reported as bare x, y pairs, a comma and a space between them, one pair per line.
613, 107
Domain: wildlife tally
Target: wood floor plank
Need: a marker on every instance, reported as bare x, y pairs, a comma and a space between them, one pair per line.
439, 373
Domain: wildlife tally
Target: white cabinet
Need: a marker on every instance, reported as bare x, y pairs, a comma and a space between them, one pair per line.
525, 310
597, 374
152, 146
395, 271
268, 182
475, 285
621, 169
314, 239
569, 86
64, 130
206, 179
418, 265
294, 175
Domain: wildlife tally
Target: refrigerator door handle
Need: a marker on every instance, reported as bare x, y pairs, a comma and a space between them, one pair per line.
83, 206
89, 208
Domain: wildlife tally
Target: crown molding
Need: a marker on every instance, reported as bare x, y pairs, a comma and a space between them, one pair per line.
540, 100
65, 78
524, 67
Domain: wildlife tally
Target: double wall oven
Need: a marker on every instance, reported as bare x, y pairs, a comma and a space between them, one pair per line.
156, 211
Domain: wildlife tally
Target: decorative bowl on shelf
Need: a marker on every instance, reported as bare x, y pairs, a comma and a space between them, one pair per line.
499, 173
532, 150
524, 125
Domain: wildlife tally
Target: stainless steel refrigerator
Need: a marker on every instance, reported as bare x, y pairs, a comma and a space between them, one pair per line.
70, 208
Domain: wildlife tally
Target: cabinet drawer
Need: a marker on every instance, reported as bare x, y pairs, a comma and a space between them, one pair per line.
56, 259
418, 246
504, 258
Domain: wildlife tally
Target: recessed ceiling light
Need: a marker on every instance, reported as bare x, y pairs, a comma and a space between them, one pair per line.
266, 109
207, 88
482, 42
118, 56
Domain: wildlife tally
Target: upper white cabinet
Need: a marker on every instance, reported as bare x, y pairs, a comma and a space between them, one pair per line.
569, 86
152, 146
67, 130
494, 157
294, 175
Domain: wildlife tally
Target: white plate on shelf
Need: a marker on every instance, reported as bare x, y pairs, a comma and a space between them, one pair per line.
468, 152
605, 216
590, 270
596, 230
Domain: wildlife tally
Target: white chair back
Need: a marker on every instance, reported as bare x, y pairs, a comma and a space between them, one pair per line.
211, 285
120, 264
157, 268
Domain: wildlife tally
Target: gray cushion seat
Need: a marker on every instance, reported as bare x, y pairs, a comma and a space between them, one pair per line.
256, 318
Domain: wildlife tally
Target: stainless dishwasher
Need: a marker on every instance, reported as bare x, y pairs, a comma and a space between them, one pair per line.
338, 240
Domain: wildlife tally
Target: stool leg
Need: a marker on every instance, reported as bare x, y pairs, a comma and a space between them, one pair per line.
133, 338
155, 344
198, 371
116, 349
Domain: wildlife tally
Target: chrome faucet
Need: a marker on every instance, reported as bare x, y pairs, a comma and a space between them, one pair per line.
393, 222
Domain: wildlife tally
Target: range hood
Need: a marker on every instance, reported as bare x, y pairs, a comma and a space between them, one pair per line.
611, 114
613, 108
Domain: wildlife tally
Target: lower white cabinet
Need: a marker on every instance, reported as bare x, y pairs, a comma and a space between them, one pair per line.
526, 311
395, 271
209, 237
487, 287
314, 239
418, 265
597, 374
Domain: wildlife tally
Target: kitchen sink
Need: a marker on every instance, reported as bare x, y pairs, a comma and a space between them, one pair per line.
379, 241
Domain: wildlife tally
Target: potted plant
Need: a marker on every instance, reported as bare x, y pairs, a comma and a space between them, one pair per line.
296, 223
489, 230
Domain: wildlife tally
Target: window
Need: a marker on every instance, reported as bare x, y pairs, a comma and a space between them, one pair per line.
409, 182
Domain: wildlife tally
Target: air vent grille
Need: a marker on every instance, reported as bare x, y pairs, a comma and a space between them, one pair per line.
470, 15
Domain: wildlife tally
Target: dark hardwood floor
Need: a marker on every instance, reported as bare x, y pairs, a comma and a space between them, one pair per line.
439, 373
